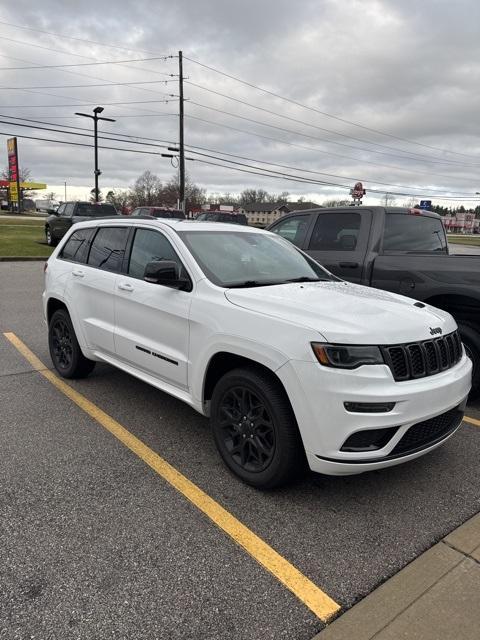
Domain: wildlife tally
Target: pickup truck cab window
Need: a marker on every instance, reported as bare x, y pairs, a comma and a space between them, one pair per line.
293, 229
108, 248
413, 233
149, 246
335, 232
61, 209
68, 211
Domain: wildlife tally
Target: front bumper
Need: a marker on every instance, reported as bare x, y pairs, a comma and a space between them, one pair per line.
318, 394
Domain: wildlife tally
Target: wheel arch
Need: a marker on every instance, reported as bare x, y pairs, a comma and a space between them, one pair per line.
221, 363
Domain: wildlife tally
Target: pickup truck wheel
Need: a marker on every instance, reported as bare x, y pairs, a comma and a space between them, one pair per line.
471, 341
255, 430
65, 351
48, 235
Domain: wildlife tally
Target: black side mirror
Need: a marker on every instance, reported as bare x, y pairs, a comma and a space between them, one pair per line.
53, 212
166, 273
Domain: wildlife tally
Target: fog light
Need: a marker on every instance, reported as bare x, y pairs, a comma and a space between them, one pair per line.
369, 407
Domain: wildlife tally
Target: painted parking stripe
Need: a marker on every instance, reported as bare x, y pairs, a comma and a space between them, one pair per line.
304, 589
473, 421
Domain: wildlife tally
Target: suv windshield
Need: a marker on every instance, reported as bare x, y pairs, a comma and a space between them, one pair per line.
94, 210
244, 259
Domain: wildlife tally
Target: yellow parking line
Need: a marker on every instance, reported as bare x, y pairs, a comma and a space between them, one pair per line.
471, 421
306, 591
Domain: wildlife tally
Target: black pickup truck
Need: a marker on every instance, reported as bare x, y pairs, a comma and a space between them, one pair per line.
397, 249
59, 222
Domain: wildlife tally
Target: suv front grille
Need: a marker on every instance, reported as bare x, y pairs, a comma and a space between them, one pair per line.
428, 432
420, 359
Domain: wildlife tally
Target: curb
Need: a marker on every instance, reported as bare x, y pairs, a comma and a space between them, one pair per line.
23, 258
436, 596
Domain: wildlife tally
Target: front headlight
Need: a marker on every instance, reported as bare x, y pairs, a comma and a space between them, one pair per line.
346, 356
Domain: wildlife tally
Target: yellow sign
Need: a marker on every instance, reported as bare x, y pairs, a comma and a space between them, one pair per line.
33, 185
13, 192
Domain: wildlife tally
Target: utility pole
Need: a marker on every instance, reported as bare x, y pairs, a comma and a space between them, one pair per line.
65, 183
181, 145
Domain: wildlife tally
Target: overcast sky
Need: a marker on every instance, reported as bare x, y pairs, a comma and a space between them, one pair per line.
392, 89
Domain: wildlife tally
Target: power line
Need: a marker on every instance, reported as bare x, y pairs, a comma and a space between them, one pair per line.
307, 124
324, 113
69, 53
60, 35
305, 135
314, 149
192, 149
85, 64
333, 184
89, 86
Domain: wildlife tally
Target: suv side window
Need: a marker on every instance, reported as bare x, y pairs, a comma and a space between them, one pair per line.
293, 229
68, 211
149, 246
108, 248
335, 232
76, 248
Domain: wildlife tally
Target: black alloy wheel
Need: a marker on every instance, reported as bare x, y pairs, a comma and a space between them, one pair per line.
49, 237
65, 351
247, 429
62, 343
254, 428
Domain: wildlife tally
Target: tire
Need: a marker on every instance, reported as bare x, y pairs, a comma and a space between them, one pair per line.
471, 341
264, 447
49, 237
65, 352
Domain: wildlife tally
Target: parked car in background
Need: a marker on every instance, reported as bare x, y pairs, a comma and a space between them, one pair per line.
291, 364
158, 212
223, 216
57, 224
400, 250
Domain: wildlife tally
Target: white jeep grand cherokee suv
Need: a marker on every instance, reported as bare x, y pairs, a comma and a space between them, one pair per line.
289, 362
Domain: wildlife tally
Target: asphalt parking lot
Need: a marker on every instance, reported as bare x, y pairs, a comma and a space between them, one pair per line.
94, 544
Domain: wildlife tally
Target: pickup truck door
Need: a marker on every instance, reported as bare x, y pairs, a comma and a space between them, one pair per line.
63, 222
151, 320
412, 260
339, 240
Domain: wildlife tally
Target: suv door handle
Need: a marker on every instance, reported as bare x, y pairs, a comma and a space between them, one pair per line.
125, 286
348, 265
78, 273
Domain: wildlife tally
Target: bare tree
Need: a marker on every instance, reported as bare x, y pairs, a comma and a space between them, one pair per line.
389, 200
146, 190
119, 198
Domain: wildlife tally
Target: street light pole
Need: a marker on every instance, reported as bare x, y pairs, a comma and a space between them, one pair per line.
95, 119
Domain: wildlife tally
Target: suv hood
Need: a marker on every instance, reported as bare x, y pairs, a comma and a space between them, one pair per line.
346, 313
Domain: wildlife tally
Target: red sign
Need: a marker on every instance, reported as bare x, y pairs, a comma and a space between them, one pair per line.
358, 191
13, 169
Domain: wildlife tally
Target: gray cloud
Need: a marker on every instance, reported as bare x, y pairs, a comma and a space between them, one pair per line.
410, 69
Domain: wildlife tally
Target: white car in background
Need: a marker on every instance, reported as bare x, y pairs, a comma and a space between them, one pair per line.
290, 363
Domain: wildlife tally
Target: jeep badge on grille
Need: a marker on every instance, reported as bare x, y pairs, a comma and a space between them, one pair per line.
435, 330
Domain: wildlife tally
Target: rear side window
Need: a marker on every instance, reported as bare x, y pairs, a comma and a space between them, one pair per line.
95, 210
413, 234
149, 246
293, 229
76, 248
108, 248
335, 232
